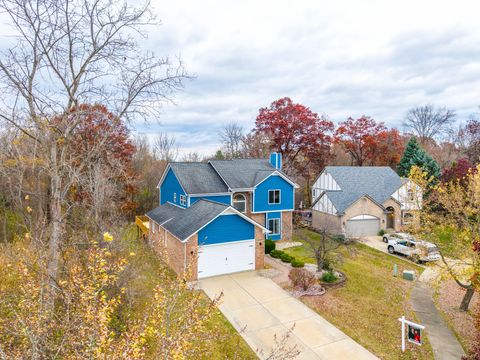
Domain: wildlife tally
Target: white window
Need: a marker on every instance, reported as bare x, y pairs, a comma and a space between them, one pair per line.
274, 226
183, 200
411, 195
174, 197
239, 202
407, 218
153, 227
274, 196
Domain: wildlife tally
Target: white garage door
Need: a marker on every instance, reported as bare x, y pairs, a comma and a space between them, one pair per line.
226, 258
362, 227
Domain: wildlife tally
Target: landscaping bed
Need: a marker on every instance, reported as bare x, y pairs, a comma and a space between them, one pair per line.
368, 305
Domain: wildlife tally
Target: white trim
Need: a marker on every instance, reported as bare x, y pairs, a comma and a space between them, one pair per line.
279, 225
232, 211
279, 197
244, 201
363, 217
270, 211
178, 206
163, 175
278, 173
226, 242
242, 190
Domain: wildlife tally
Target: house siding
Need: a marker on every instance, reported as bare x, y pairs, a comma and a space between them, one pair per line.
226, 228
224, 199
274, 182
169, 187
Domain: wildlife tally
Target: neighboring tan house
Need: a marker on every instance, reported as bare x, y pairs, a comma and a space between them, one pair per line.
358, 201
214, 217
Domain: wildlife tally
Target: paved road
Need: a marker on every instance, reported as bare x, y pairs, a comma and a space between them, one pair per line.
263, 309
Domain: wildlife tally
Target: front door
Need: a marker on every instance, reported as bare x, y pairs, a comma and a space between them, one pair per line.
390, 218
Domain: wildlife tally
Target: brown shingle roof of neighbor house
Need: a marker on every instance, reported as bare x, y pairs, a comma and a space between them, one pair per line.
378, 182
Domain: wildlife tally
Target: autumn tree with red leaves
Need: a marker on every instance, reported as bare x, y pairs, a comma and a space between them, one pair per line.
300, 135
369, 142
104, 151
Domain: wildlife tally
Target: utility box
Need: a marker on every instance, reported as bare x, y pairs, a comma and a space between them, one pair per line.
409, 275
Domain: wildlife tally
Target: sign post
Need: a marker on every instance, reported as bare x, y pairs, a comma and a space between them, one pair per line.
414, 334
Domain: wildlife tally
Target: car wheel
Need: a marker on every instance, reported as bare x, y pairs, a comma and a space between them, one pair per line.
385, 240
416, 259
391, 250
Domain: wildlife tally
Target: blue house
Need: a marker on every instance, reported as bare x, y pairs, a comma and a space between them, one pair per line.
213, 217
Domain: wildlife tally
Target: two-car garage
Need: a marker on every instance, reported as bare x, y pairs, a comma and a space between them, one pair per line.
362, 225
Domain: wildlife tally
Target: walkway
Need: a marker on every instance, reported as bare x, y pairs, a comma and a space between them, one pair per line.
444, 343
259, 309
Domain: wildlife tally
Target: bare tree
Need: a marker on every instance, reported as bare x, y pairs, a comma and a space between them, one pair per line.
71, 52
192, 157
428, 122
323, 247
165, 147
232, 136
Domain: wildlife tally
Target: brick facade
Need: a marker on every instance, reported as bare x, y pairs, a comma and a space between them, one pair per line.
259, 249
287, 225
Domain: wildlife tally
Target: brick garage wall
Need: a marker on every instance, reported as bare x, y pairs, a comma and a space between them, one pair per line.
321, 220
259, 249
172, 251
287, 225
364, 206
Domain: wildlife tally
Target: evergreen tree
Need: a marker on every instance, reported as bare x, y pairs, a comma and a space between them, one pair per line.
219, 155
415, 155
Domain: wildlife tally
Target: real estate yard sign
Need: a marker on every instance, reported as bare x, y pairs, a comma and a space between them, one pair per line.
414, 332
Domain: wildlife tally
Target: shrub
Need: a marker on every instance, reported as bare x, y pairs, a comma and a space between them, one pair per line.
286, 258
302, 278
276, 253
339, 237
381, 232
297, 263
329, 277
269, 246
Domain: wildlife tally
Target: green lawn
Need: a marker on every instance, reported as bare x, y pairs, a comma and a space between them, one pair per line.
368, 306
143, 275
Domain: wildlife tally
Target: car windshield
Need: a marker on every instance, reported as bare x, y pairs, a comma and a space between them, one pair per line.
433, 250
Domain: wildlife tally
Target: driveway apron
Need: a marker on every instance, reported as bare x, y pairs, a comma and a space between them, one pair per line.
260, 310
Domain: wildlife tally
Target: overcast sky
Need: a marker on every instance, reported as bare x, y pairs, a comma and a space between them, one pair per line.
340, 58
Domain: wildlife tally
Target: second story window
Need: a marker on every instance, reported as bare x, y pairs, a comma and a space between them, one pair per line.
239, 202
174, 197
273, 197
183, 200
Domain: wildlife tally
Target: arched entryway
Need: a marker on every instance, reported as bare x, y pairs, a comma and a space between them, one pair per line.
390, 217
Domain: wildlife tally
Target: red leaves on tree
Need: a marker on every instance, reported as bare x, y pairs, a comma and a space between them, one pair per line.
299, 134
458, 171
369, 142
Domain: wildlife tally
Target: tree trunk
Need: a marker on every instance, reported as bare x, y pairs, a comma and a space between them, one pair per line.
467, 298
56, 226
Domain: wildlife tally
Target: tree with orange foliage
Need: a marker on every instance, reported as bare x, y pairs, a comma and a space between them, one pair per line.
368, 142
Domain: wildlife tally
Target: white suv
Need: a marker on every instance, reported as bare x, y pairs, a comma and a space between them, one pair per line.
418, 251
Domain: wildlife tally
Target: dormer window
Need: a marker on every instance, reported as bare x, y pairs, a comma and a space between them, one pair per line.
183, 200
273, 197
240, 202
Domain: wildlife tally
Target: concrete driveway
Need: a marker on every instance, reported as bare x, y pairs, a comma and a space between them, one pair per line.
259, 309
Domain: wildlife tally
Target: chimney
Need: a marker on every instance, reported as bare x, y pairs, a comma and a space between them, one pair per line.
276, 160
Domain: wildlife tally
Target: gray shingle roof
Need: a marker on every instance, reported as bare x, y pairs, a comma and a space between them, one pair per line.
198, 178
243, 173
184, 222
378, 182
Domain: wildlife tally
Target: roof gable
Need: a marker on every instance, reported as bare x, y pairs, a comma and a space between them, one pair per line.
376, 182
183, 223
198, 178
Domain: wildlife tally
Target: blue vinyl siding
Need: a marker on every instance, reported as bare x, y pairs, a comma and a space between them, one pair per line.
224, 199
226, 228
274, 182
274, 215
170, 185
